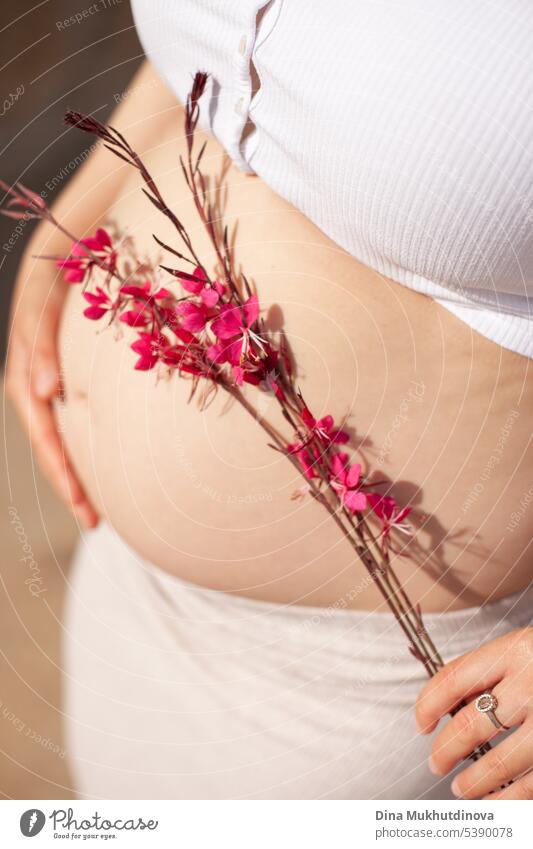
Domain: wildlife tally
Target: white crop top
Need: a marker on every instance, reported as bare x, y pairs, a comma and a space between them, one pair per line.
402, 128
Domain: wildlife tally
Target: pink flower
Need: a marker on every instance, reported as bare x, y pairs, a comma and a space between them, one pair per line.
198, 284
386, 509
185, 359
143, 299
307, 462
269, 380
99, 242
234, 320
236, 338
230, 353
143, 292
76, 265
100, 303
134, 318
79, 262
308, 457
194, 317
150, 347
345, 480
322, 429
238, 374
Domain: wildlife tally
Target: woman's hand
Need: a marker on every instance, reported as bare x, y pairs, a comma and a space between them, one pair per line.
505, 668
33, 377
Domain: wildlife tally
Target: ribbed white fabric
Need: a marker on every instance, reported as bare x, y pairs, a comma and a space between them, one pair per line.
402, 130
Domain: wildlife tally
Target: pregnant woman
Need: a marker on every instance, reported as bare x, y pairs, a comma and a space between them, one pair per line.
373, 164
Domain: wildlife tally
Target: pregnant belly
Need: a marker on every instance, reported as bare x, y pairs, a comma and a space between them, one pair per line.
434, 408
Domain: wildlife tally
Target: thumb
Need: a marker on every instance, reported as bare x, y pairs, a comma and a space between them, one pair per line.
45, 376
45, 379
44, 367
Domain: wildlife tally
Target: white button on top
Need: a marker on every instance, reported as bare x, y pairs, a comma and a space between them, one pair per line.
242, 45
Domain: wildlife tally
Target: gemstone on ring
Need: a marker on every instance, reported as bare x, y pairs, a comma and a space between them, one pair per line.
486, 703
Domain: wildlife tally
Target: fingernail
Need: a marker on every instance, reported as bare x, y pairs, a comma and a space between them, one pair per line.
84, 514
88, 517
433, 766
45, 383
455, 788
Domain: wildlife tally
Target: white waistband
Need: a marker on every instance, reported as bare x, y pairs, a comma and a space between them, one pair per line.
177, 603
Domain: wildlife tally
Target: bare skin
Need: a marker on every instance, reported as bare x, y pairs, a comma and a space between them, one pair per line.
435, 408
503, 667
202, 495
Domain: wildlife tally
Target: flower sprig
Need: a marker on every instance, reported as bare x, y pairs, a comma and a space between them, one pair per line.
210, 329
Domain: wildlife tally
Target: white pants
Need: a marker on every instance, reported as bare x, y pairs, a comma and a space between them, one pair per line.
185, 693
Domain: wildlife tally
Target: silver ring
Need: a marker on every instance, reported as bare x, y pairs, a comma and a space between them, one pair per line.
487, 703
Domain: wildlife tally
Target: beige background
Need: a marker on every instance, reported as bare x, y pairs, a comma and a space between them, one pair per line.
30, 663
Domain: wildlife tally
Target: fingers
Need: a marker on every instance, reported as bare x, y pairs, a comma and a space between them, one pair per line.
57, 469
43, 361
45, 378
31, 396
45, 382
469, 728
522, 788
471, 673
504, 763
50, 453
